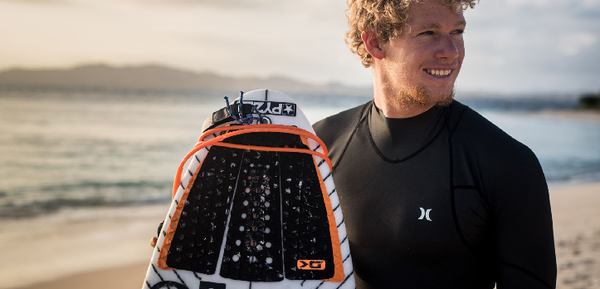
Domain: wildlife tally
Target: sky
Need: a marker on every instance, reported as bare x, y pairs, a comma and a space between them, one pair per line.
513, 46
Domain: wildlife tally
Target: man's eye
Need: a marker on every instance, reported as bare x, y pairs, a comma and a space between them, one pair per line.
458, 31
426, 33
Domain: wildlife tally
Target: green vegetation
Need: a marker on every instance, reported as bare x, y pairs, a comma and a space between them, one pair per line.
590, 101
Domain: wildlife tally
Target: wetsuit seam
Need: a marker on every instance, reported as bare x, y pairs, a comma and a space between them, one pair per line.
411, 155
479, 188
527, 272
487, 197
451, 183
360, 120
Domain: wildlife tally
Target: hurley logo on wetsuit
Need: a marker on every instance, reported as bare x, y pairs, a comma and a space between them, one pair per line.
425, 214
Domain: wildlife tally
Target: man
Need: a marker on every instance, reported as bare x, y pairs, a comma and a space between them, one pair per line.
434, 195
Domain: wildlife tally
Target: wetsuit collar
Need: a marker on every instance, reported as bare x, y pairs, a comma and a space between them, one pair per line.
397, 138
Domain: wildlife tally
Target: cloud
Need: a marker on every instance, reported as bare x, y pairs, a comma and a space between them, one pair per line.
511, 44
519, 45
526, 3
572, 45
568, 4
35, 2
239, 4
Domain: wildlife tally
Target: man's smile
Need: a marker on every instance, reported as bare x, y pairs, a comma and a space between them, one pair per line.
438, 73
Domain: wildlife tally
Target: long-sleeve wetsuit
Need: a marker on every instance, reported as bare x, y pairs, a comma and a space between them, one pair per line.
441, 200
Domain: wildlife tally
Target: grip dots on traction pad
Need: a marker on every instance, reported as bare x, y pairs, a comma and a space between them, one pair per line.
276, 219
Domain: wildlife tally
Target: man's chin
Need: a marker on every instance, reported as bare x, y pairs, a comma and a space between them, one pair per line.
422, 97
446, 99
427, 97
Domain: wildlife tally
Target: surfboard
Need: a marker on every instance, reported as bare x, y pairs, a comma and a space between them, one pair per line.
253, 205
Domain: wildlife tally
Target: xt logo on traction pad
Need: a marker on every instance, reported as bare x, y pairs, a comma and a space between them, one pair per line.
275, 107
311, 264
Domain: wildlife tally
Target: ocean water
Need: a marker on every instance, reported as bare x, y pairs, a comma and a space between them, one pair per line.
64, 150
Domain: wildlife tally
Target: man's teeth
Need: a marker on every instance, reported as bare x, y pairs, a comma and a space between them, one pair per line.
439, 72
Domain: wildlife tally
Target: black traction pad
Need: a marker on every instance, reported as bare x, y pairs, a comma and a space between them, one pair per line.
277, 219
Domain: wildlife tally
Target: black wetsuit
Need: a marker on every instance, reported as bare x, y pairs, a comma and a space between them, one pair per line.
441, 200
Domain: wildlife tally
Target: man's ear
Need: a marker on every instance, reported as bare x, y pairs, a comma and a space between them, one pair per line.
372, 44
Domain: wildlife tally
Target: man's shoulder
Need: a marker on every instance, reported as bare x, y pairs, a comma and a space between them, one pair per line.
502, 162
479, 134
332, 127
335, 130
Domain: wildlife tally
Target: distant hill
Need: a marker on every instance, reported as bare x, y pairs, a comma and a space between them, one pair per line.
157, 78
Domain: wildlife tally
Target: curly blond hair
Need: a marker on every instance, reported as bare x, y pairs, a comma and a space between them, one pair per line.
384, 17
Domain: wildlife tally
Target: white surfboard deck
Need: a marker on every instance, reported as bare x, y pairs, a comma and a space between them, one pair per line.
280, 109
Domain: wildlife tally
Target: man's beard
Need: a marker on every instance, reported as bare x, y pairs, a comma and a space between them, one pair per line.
420, 96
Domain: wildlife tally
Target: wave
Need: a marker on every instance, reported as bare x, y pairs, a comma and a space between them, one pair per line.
41, 200
92, 184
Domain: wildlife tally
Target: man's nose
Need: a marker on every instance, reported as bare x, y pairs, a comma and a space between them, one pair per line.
449, 49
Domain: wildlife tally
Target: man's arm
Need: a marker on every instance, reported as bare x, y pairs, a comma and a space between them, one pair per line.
523, 236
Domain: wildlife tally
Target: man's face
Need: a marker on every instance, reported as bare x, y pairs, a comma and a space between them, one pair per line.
423, 62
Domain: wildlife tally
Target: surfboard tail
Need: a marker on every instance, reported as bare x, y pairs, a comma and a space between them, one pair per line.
254, 209
254, 206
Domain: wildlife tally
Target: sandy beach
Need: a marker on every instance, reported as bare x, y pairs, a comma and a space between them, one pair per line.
576, 214
79, 250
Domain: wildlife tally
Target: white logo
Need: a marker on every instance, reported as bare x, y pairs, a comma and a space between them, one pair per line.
275, 107
424, 214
